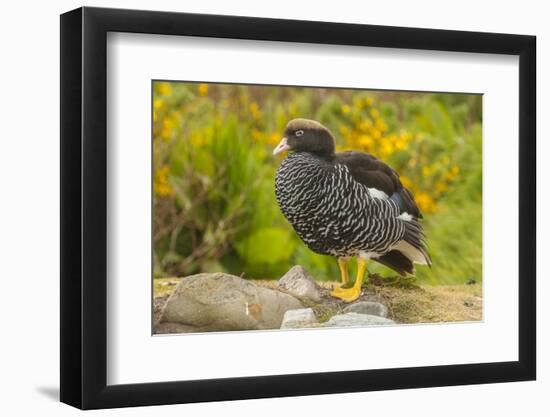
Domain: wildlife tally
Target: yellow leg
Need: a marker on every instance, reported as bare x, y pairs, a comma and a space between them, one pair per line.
353, 293
344, 275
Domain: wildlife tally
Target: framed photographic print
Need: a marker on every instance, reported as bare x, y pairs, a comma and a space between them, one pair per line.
256, 207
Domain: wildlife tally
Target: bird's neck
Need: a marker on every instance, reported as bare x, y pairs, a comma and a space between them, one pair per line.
319, 156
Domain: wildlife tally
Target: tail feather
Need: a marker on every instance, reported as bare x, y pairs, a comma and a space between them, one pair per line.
395, 260
413, 245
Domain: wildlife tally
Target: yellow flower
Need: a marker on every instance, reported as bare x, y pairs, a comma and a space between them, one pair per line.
366, 141
380, 124
426, 171
163, 190
375, 113
161, 185
274, 138
452, 173
441, 187
386, 149
163, 172
455, 170
158, 103
203, 89
365, 125
165, 133
405, 136
425, 202
400, 144
376, 134
255, 110
169, 123
344, 130
407, 183
369, 101
345, 109
165, 89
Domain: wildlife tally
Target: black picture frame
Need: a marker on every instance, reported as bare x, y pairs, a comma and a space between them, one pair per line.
84, 207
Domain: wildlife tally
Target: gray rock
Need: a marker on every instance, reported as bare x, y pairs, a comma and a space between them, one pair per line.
295, 319
356, 319
219, 302
166, 328
158, 305
298, 282
368, 307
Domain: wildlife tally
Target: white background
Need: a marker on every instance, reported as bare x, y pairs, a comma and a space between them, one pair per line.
29, 211
133, 60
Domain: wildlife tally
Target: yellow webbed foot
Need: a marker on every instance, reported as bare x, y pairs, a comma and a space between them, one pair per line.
351, 294
337, 289
346, 294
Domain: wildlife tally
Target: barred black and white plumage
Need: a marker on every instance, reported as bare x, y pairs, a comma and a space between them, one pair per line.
347, 204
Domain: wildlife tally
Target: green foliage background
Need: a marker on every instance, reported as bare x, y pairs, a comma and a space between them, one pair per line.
214, 202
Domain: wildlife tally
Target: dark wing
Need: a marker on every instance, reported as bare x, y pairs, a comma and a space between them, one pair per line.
372, 172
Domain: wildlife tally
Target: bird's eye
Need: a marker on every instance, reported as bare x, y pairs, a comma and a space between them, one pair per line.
299, 133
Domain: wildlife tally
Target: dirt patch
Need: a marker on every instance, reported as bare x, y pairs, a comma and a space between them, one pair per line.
429, 304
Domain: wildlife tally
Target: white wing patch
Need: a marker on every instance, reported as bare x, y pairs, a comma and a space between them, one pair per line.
381, 195
368, 255
405, 216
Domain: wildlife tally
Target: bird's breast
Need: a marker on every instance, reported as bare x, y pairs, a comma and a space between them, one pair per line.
314, 198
